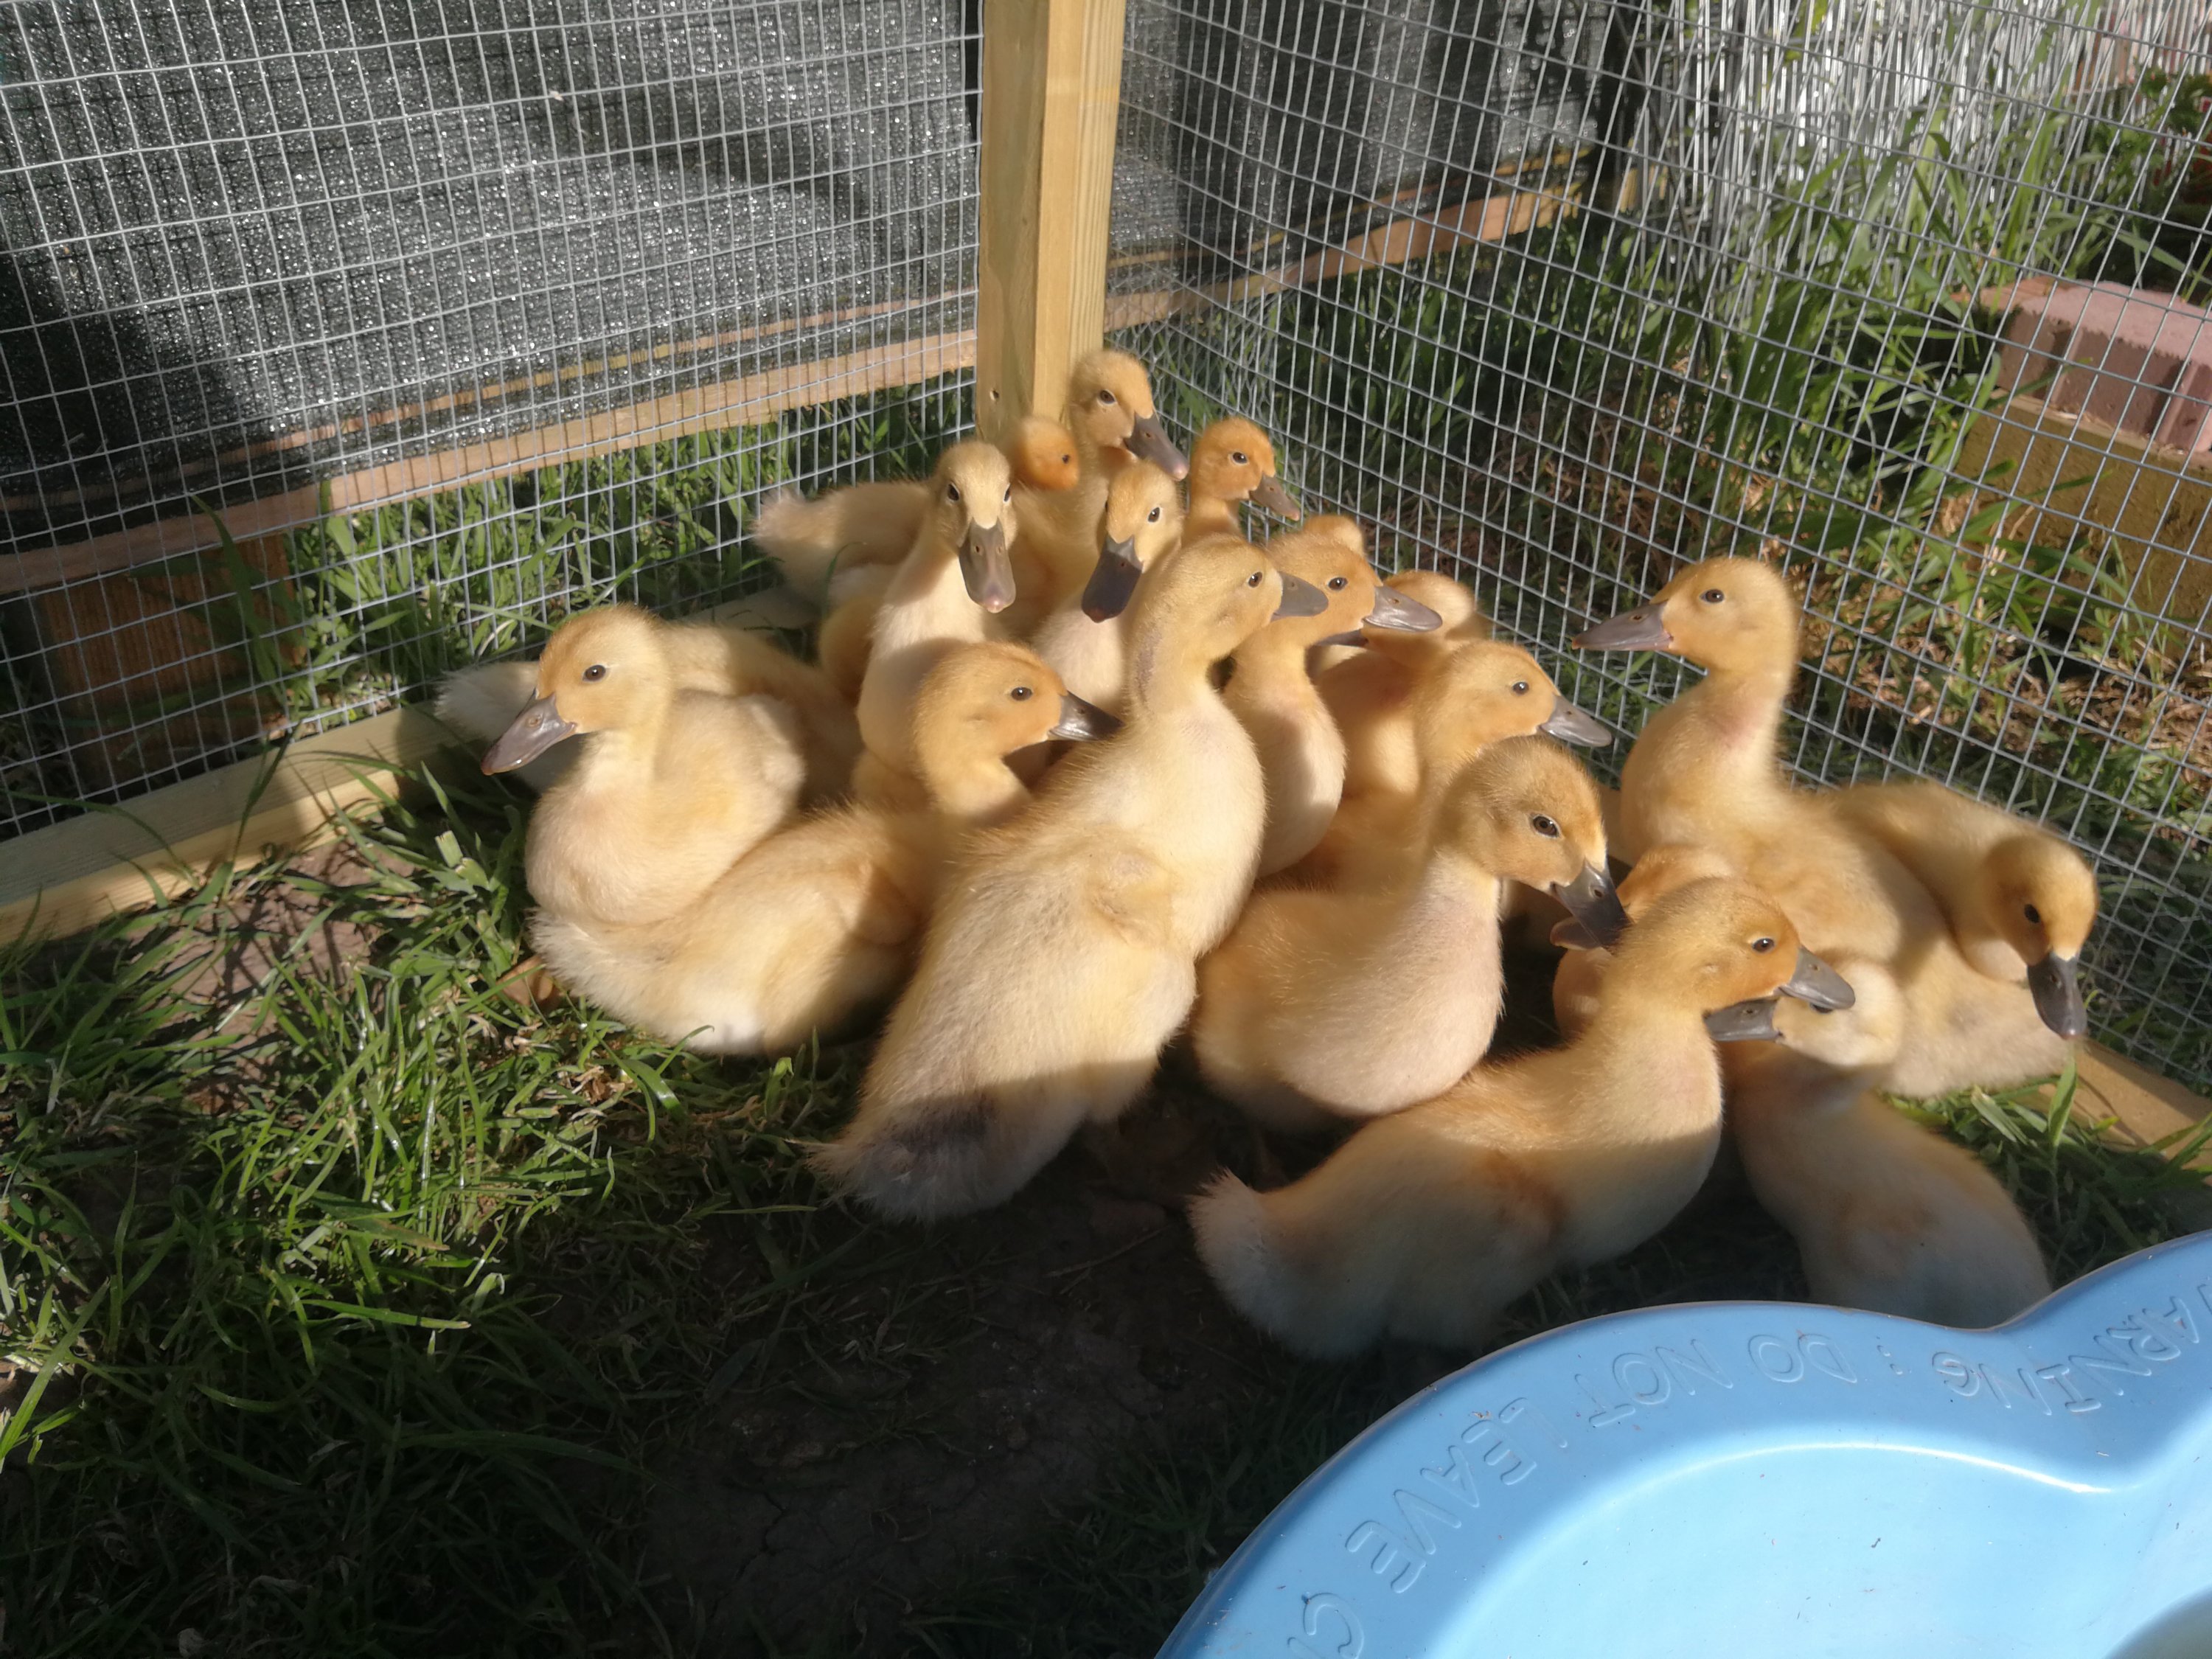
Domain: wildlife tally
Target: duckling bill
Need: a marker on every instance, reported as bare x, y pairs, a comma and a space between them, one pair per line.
1300, 598
535, 730
985, 567
1269, 497
2056, 983
1644, 628
1148, 440
1113, 580
1080, 721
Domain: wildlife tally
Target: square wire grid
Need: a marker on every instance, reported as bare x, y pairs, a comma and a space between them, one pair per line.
1617, 288
457, 316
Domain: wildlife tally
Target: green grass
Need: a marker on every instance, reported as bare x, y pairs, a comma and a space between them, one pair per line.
350, 1311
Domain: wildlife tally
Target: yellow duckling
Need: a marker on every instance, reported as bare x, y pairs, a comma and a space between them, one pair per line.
2020, 902
1427, 1223
1581, 972
1326, 1004
1086, 637
958, 574
672, 785
1232, 462
1888, 1216
1369, 692
1112, 419
817, 924
1336, 595
1706, 769
1063, 951
1485, 691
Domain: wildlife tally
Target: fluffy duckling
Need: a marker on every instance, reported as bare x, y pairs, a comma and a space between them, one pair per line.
1427, 1223
1707, 768
1062, 954
1336, 595
672, 785
1583, 968
1888, 1216
816, 539
958, 574
1232, 462
841, 643
1485, 691
1086, 637
725, 659
817, 924
1369, 692
2020, 902
1111, 417
1352, 1005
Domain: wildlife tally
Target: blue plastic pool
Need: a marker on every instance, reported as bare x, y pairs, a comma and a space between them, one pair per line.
1761, 1478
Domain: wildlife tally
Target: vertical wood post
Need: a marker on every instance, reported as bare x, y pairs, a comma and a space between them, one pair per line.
1052, 91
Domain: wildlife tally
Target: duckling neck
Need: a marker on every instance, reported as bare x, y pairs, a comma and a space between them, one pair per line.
974, 792
1652, 1071
1271, 674
1210, 515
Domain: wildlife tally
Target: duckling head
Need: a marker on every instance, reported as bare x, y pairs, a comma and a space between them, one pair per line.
1355, 600
1657, 873
1724, 614
1110, 395
1527, 810
985, 701
1459, 619
1488, 691
973, 486
2042, 897
1232, 460
1207, 600
1143, 519
1043, 453
1729, 950
604, 671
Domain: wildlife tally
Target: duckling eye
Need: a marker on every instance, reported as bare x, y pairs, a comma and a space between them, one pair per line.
1238, 458
1252, 581
597, 671
1520, 688
1544, 827
1762, 945
1152, 517
952, 492
1021, 693
1338, 584
1104, 395
1712, 596
2034, 916
1007, 494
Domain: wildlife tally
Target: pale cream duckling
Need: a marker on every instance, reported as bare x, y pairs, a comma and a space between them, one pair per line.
1370, 693
957, 575
1086, 637
1482, 693
1324, 1004
1707, 768
671, 788
1270, 690
1232, 462
815, 540
1063, 951
1427, 1223
819, 922
2020, 902
1112, 419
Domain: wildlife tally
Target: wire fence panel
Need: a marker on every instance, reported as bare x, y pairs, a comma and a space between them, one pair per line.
1558, 294
339, 342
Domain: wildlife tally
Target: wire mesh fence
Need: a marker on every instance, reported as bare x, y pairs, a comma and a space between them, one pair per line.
342, 342
1557, 294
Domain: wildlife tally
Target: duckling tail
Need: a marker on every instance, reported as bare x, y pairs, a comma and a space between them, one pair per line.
942, 1158
1245, 1258
865, 524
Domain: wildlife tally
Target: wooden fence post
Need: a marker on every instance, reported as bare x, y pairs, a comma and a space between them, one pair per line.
1052, 91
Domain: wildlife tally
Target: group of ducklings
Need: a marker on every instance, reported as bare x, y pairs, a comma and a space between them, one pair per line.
1020, 799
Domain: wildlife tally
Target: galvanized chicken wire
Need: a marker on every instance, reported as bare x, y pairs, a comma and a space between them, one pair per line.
454, 312
1644, 283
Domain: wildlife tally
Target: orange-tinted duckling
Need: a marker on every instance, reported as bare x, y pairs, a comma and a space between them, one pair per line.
1336, 596
1583, 969
957, 575
1485, 691
1427, 1223
1324, 1004
819, 922
671, 788
1063, 951
1370, 693
2020, 902
1086, 637
1232, 462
